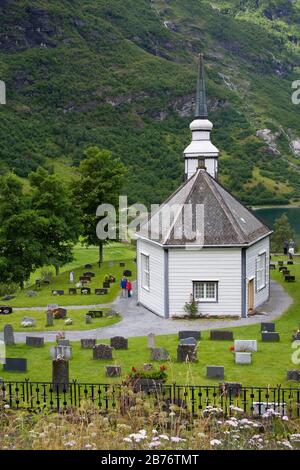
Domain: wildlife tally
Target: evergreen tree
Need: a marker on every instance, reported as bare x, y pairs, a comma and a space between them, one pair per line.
282, 231
100, 182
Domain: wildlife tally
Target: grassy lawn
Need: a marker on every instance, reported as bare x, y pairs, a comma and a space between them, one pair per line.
269, 364
44, 294
78, 317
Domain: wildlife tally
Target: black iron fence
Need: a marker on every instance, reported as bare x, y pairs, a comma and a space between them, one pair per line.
254, 401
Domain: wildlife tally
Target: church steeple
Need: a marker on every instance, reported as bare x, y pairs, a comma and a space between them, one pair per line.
201, 107
201, 151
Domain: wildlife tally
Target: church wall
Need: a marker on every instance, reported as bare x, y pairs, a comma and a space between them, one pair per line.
154, 298
251, 256
220, 264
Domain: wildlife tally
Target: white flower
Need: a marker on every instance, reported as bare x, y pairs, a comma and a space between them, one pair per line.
154, 444
127, 439
164, 436
215, 442
286, 444
232, 423
70, 444
6, 407
88, 446
201, 434
154, 431
285, 418
177, 439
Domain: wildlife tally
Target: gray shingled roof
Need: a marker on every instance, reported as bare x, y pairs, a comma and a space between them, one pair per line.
226, 221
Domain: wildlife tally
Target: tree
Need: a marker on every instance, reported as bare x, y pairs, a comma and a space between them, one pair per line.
101, 177
282, 231
52, 199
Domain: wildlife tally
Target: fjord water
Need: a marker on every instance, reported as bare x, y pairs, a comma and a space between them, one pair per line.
269, 215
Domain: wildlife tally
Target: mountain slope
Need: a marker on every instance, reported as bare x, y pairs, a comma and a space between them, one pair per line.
122, 75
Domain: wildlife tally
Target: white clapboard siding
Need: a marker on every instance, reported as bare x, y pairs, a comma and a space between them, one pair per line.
154, 298
222, 264
251, 256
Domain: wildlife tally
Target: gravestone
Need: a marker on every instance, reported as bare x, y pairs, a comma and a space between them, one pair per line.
112, 313
151, 340
293, 375
15, 364
61, 352
85, 290
5, 310
233, 389
215, 372
85, 278
88, 343
113, 371
159, 354
60, 375
72, 291
189, 334
95, 313
245, 345
280, 263
127, 273
110, 264
101, 291
63, 342
49, 318
290, 262
119, 342
34, 341
243, 357
186, 353
59, 313
147, 366
122, 265
30, 321
271, 337
269, 327
106, 284
89, 274
102, 351
219, 335
8, 332
88, 320
58, 292
52, 306
88, 266
296, 336
191, 341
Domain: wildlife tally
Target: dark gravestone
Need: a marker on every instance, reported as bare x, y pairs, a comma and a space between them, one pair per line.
15, 364
280, 263
8, 297
85, 291
113, 371
58, 292
88, 320
189, 334
100, 291
221, 335
34, 341
290, 263
119, 342
95, 313
88, 266
286, 272
88, 343
127, 273
191, 341
8, 334
232, 389
282, 268
159, 354
60, 375
72, 291
5, 310
106, 284
269, 327
271, 337
49, 318
89, 274
186, 353
215, 372
59, 313
102, 351
63, 342
293, 375
289, 278
296, 336
272, 266
85, 279
122, 265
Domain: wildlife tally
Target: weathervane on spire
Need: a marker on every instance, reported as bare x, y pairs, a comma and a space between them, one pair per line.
201, 107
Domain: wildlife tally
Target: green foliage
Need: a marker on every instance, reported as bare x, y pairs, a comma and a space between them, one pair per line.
8, 288
283, 231
160, 374
191, 308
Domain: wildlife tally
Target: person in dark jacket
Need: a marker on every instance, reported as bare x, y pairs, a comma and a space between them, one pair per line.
285, 247
123, 285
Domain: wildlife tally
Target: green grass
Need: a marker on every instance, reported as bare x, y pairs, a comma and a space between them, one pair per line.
77, 316
269, 364
44, 294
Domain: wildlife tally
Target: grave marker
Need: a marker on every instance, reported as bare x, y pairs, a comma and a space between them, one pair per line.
8, 332
215, 372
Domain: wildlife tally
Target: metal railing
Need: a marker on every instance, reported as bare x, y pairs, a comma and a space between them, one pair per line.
254, 401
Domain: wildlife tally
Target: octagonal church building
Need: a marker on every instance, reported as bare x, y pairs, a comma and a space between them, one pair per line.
225, 265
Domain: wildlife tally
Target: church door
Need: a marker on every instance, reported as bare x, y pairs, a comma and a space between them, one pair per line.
250, 295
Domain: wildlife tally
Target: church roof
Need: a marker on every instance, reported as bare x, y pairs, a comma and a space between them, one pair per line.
225, 221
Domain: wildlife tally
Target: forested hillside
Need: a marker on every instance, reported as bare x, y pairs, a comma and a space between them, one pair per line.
121, 75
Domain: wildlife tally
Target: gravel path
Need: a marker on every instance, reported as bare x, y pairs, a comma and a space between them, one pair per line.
138, 321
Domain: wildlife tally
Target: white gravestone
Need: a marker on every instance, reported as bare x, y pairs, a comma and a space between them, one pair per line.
61, 352
245, 345
243, 358
151, 341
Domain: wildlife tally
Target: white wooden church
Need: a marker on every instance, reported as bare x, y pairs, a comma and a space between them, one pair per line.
228, 272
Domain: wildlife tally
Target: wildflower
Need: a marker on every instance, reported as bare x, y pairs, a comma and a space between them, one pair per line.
154, 444
164, 436
215, 442
236, 408
201, 434
133, 369
162, 367
88, 446
177, 439
70, 444
286, 444
127, 439
6, 407
285, 418
172, 414
232, 423
154, 431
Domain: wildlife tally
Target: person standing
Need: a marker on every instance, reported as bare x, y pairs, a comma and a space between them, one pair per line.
285, 247
123, 285
292, 246
129, 288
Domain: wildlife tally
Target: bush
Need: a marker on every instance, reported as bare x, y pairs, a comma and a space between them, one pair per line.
149, 374
8, 288
191, 308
